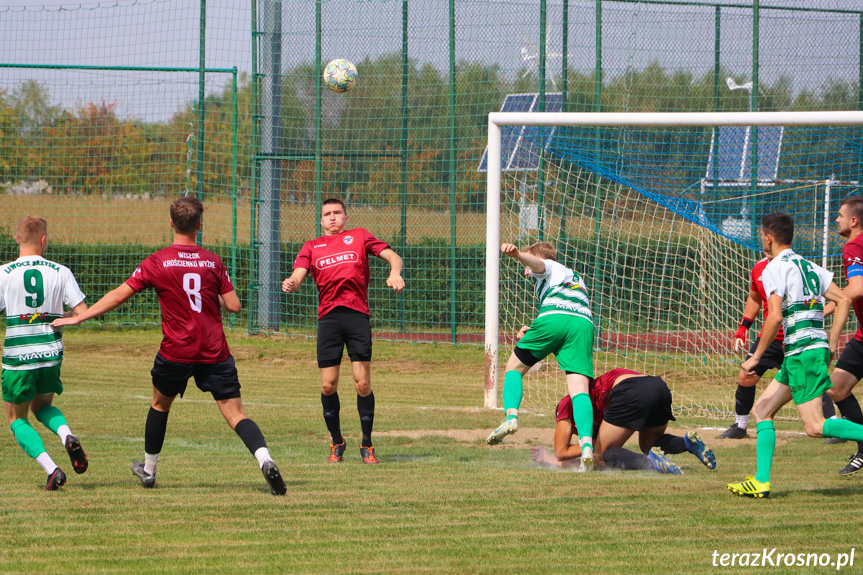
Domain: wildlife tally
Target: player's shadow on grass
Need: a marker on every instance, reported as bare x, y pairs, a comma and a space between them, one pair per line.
410, 457
849, 491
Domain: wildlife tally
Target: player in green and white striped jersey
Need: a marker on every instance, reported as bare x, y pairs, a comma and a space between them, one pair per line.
33, 292
794, 287
564, 327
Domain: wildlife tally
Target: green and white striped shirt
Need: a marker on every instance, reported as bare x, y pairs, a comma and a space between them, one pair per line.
561, 291
801, 284
33, 291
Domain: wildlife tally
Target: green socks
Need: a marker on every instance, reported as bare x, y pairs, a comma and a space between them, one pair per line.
765, 443
27, 438
513, 390
843, 429
582, 413
51, 417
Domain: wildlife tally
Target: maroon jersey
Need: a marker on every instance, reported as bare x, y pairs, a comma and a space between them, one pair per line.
598, 391
340, 267
852, 261
758, 286
188, 281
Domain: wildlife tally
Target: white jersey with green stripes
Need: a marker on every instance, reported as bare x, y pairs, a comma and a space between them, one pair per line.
33, 291
801, 284
561, 291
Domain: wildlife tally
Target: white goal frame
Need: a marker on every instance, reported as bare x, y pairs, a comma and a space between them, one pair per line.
498, 119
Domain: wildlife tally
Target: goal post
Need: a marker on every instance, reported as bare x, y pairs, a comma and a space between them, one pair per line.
585, 192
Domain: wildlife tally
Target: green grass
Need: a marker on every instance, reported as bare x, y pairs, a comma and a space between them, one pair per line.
441, 503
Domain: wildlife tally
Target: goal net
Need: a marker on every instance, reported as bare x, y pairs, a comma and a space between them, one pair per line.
660, 214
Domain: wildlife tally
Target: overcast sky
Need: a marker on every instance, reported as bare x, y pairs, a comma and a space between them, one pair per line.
807, 48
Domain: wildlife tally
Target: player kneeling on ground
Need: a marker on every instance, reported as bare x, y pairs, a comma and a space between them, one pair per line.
625, 402
191, 283
564, 327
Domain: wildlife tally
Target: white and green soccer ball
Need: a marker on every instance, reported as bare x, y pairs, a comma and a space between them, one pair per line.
340, 75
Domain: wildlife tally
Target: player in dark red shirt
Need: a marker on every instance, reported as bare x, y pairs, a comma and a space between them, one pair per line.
625, 402
849, 367
744, 396
192, 284
339, 263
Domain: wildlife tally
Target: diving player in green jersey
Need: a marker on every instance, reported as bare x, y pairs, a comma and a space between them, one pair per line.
564, 327
794, 287
33, 291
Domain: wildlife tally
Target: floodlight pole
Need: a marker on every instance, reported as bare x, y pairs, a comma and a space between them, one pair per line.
269, 228
732, 86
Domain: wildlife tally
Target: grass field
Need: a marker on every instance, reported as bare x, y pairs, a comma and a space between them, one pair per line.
441, 502
139, 220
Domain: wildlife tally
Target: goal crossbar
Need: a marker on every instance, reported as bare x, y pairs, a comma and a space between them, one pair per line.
496, 120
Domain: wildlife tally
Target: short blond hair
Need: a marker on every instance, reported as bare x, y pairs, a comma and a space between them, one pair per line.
30, 229
542, 250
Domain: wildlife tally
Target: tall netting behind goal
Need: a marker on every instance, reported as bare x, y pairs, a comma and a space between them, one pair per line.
663, 224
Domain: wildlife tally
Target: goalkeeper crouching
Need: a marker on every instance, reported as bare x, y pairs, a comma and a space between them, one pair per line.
625, 402
563, 327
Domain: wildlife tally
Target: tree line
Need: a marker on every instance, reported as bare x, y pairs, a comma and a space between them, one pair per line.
90, 149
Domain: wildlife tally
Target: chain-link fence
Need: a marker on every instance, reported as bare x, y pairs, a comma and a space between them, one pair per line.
109, 111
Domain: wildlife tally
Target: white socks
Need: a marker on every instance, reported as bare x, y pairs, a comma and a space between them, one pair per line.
150, 462
47, 464
262, 454
63, 431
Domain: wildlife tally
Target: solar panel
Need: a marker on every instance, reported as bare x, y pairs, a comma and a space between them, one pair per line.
731, 153
527, 150
518, 150
769, 148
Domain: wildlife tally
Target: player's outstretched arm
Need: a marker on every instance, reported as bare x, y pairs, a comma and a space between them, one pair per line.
563, 449
840, 315
230, 302
395, 280
535, 264
77, 310
293, 283
111, 300
854, 289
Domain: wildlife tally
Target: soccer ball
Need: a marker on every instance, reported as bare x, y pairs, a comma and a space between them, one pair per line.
340, 75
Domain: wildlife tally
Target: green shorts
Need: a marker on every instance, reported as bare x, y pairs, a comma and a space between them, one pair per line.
806, 374
569, 337
24, 384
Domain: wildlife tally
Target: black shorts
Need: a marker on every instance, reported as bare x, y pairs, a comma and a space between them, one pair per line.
639, 402
772, 358
851, 359
220, 379
526, 357
344, 327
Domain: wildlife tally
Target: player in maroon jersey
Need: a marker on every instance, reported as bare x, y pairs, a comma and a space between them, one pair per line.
339, 264
625, 402
192, 284
849, 367
744, 396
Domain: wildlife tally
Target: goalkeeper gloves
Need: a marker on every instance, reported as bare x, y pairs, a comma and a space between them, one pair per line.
740, 334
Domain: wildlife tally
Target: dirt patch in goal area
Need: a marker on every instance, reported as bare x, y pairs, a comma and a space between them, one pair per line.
526, 435
529, 436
